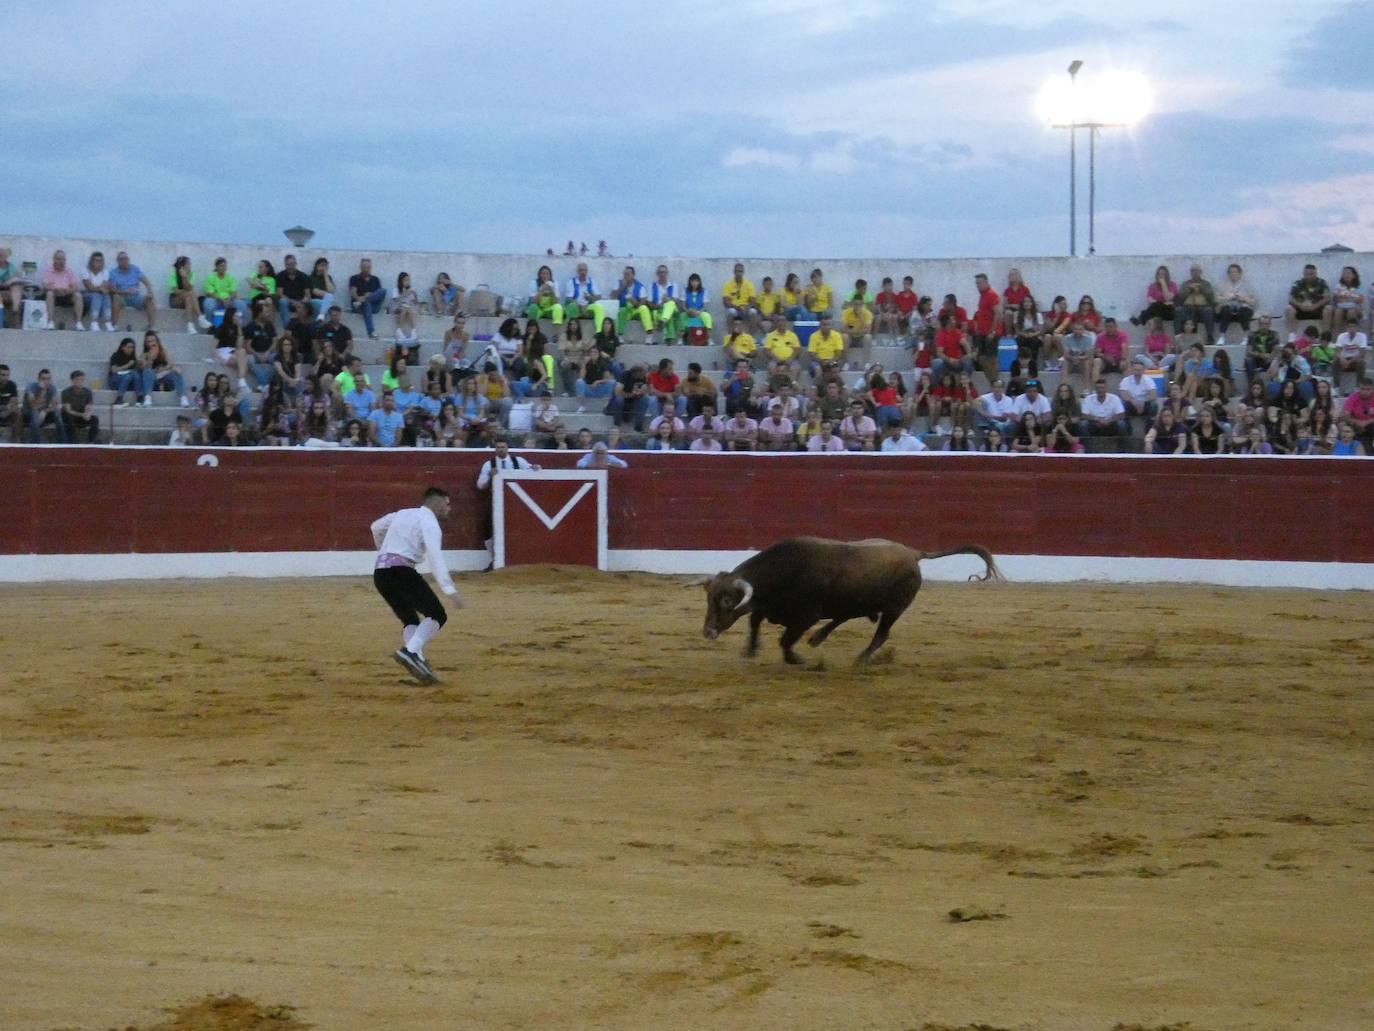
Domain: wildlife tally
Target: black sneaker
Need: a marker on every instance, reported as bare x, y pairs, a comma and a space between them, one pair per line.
428, 670
413, 663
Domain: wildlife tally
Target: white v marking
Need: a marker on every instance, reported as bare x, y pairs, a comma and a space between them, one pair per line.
534, 506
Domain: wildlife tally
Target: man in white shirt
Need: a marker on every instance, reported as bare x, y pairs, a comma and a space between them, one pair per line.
825, 441
1032, 401
663, 302
182, 435
707, 441
580, 299
404, 539
600, 457
1351, 347
1103, 414
996, 410
898, 439
501, 460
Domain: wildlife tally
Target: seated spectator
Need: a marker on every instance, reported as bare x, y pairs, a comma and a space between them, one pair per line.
1196, 303
825, 440
664, 301
262, 284
1347, 446
366, 295
698, 390
582, 301
1065, 403
431, 403
1103, 414
1351, 350
1280, 430
782, 346
287, 368
860, 293
292, 293
221, 291
1058, 324
1358, 411
78, 410
887, 314
360, 400
1160, 296
896, 439
456, 341
952, 350
1208, 436
12, 283
1159, 345
695, 321
767, 303
445, 297
1109, 350
776, 433
1235, 300
1290, 365
130, 288
825, 345
600, 457
960, 440
816, 297
1080, 349
1059, 439
474, 414
1027, 439
951, 403
1347, 300
664, 386
993, 442
219, 419
405, 307
95, 292
1193, 370
544, 302
125, 373
1309, 297
791, 297
1016, 292
61, 288
1261, 348
741, 432
858, 324
159, 372
1034, 402
739, 389
996, 409
182, 436
260, 343
1023, 367
662, 436
1221, 364
316, 425
276, 418
632, 399
322, 289
858, 430
596, 378
10, 417
1088, 314
1168, 436
301, 329
493, 386
386, 422
1321, 355
634, 302
547, 419
233, 436
708, 441
958, 315
913, 315
739, 345
708, 419
535, 352
1027, 325
333, 330
1139, 393
883, 396
354, 434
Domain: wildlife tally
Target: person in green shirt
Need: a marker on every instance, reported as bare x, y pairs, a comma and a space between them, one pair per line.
221, 290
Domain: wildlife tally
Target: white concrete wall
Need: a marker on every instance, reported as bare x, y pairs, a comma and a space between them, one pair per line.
1116, 283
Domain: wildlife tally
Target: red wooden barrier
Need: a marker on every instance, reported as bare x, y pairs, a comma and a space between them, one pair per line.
114, 500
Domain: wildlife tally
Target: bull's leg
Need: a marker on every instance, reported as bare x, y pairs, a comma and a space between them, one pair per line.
790, 636
752, 647
818, 638
885, 622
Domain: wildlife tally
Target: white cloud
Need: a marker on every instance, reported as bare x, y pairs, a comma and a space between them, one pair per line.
746, 157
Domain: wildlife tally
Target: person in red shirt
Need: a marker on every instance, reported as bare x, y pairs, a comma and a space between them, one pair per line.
1088, 313
987, 322
1109, 351
887, 316
664, 384
951, 308
951, 350
950, 400
1358, 411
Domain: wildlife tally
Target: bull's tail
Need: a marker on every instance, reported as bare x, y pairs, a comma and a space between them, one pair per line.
993, 573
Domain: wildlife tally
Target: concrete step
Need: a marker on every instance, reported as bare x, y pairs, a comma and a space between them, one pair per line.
173, 320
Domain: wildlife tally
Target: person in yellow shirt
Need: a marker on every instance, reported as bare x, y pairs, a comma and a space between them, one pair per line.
816, 296
825, 345
858, 324
739, 345
792, 297
783, 346
738, 294
767, 303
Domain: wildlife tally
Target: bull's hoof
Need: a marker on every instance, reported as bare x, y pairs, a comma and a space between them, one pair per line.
792, 658
863, 659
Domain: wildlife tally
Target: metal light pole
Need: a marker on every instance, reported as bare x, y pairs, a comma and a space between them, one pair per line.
1073, 164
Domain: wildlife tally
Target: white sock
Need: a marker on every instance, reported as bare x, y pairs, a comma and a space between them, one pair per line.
423, 633
406, 634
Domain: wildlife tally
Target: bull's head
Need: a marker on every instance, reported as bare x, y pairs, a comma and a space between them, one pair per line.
727, 598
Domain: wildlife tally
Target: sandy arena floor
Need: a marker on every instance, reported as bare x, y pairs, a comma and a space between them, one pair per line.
1149, 807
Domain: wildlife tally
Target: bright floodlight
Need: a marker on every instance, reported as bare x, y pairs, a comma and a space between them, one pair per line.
1113, 98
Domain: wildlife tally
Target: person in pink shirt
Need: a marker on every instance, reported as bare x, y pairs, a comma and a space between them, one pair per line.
825, 440
707, 441
1109, 351
741, 432
1159, 298
61, 288
1358, 411
776, 433
858, 430
1159, 344
708, 419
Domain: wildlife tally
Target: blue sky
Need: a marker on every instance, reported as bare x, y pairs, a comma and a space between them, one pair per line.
754, 128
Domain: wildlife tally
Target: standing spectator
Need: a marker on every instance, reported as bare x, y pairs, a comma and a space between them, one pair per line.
125, 373
159, 370
43, 408
987, 321
181, 293
1235, 300
1103, 414
9, 404
581, 300
386, 421
1309, 297
445, 297
293, 292
405, 306
12, 284
1159, 298
366, 294
221, 290
322, 289
95, 292
858, 431
1197, 302
130, 288
61, 289
1347, 301
78, 404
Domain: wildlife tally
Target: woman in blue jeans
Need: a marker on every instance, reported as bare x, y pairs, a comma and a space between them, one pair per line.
159, 371
126, 373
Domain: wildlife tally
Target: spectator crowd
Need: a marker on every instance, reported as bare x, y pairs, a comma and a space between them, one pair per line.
798, 370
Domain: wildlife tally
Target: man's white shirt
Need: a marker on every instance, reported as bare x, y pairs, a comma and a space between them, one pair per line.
414, 534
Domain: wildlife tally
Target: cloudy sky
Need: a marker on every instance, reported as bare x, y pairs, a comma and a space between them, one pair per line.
825, 128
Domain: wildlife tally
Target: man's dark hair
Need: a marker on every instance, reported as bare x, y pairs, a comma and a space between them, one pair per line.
4, 368
434, 492
45, 372
335, 308
1309, 265
894, 423
694, 366
73, 376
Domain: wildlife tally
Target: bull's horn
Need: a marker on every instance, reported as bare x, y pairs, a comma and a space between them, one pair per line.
748, 589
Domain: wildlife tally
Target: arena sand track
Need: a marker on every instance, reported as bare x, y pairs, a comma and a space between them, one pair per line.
1150, 807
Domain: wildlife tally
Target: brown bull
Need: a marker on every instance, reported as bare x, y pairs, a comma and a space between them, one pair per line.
800, 581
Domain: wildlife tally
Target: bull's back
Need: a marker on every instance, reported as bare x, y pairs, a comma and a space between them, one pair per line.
828, 578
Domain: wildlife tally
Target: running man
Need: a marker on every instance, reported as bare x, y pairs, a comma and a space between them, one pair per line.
404, 539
